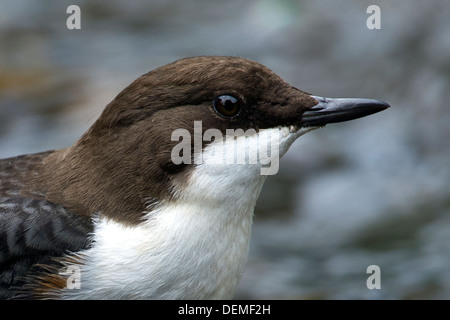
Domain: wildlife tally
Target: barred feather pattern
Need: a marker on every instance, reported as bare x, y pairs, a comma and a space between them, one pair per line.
33, 231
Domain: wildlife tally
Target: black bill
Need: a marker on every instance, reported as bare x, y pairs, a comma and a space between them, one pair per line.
330, 110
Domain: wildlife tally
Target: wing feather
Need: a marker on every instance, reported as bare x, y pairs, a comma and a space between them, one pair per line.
32, 229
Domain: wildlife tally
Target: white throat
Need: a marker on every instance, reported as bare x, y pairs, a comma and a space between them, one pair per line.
194, 247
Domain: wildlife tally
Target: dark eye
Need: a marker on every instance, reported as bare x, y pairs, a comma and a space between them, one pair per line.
227, 106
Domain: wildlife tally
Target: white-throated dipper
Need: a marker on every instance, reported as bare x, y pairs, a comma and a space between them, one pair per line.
115, 217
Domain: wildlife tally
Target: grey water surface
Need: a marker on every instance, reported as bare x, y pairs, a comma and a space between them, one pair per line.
374, 191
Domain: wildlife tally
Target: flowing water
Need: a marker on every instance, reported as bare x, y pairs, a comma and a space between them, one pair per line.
375, 191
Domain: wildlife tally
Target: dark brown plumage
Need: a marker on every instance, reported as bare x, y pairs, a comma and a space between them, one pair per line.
124, 135
122, 165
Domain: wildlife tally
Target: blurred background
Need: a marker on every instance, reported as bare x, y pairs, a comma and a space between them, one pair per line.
375, 191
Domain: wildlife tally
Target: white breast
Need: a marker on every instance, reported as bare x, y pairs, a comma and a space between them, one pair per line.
192, 248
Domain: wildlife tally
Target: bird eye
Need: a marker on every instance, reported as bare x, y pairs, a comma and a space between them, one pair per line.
227, 106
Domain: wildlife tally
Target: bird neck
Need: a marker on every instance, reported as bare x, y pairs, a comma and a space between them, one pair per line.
194, 247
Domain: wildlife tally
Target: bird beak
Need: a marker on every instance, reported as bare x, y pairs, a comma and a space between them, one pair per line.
330, 110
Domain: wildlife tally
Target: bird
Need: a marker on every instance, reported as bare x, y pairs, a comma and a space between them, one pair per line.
142, 205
